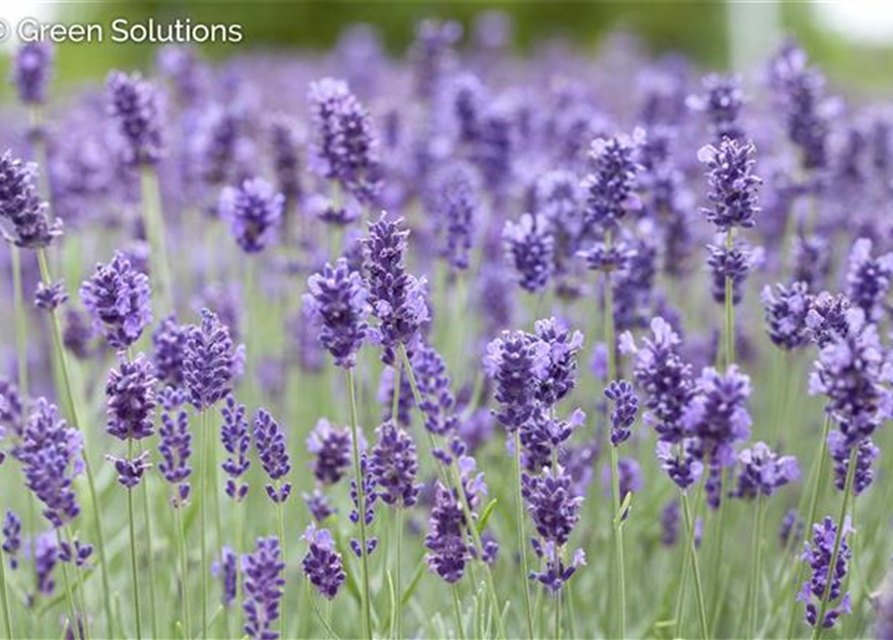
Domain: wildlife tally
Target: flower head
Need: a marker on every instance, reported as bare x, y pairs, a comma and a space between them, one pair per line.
610, 190
12, 538
133, 104
270, 442
763, 471
338, 301
529, 250
331, 446
732, 186
564, 346
208, 361
253, 211
721, 102
50, 297
394, 465
32, 70
118, 298
786, 310
818, 554
175, 442
626, 407
516, 361
868, 279
236, 441
23, 215
448, 549
169, 342
262, 589
130, 395
323, 565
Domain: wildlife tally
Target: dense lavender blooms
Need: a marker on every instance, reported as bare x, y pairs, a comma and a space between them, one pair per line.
397, 297
31, 71
786, 309
454, 201
12, 538
331, 446
610, 190
680, 463
118, 298
623, 414
544, 434
169, 342
338, 301
818, 554
133, 104
130, 471
226, 570
448, 550
564, 346
517, 361
208, 361
732, 186
826, 320
721, 102
841, 450
262, 589
345, 145
322, 564
51, 457
11, 406
130, 393
23, 215
175, 442
393, 466
438, 402
529, 250
763, 471
269, 439
253, 211
664, 376
734, 264
868, 279
50, 297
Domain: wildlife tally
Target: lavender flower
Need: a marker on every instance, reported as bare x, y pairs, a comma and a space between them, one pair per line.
669, 522
786, 309
345, 145
454, 201
270, 442
841, 450
49, 298
790, 532
169, 342
262, 589
338, 302
826, 320
370, 497
868, 279
237, 442
46, 556
553, 508
322, 564
818, 554
810, 260
564, 346
529, 250
732, 186
254, 211
448, 550
556, 573
331, 446
543, 434
50, 453
393, 466
119, 300
763, 471
610, 190
130, 394
318, 505
438, 402
130, 471
133, 105
11, 407
623, 415
397, 297
733, 263
208, 361
23, 215
32, 70
175, 442
517, 361
226, 570
680, 462
12, 538
721, 101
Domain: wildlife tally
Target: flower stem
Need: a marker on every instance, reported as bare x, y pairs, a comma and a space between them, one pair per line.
522, 533
153, 219
280, 528
21, 320
832, 568
184, 571
457, 609
756, 559
202, 518
69, 598
4, 599
71, 411
397, 622
699, 591
150, 556
134, 571
361, 505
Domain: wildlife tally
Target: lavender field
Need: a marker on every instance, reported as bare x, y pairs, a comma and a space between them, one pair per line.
457, 343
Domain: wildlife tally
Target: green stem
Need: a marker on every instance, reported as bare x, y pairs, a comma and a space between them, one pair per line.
184, 569
756, 559
361, 505
71, 410
319, 615
153, 219
4, 597
522, 533
80, 580
847, 491
457, 609
134, 571
280, 527
558, 615
21, 320
397, 623
699, 590
69, 598
202, 516
150, 556
395, 398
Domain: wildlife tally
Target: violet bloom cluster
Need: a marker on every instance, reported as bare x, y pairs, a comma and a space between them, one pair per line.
868, 279
763, 471
733, 187
269, 439
396, 296
564, 346
50, 297
438, 402
208, 361
23, 215
12, 538
175, 443
133, 104
31, 71
262, 589
529, 249
118, 298
454, 200
226, 570
323, 565
818, 554
131, 402
393, 466
345, 144
236, 441
786, 311
338, 302
369, 503
516, 361
331, 447
826, 320
51, 455
169, 343
610, 189
254, 211
448, 548
721, 102
623, 414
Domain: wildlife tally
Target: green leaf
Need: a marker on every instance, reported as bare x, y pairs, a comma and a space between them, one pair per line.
488, 511
624, 507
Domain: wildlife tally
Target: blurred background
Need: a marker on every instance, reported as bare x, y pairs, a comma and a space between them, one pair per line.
841, 36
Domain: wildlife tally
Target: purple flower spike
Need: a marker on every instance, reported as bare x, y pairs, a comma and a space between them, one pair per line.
208, 361
318, 505
841, 449
254, 211
826, 320
226, 570
32, 70
133, 105
721, 102
237, 442
454, 199
331, 446
556, 572
448, 550
610, 190
733, 187
322, 564
270, 442
49, 298
818, 554
680, 463
338, 302
130, 392
169, 342
23, 215
564, 346
50, 453
626, 407
130, 472
175, 443
529, 250
517, 361
868, 279
553, 507
12, 538
262, 589
763, 471
438, 402
393, 466
786, 311
119, 300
